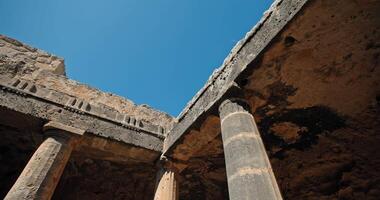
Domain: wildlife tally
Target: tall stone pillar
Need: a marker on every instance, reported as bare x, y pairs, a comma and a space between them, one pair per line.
249, 173
43, 171
167, 184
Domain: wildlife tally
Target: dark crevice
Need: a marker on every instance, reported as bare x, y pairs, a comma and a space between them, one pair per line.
316, 120
289, 41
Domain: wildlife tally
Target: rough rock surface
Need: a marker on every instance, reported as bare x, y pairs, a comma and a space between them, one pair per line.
115, 102
314, 93
20, 59
313, 89
226, 78
121, 163
316, 99
28, 63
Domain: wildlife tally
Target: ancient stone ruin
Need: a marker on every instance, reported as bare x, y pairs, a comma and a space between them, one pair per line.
293, 113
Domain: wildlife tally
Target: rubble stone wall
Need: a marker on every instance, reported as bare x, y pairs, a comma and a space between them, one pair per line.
18, 60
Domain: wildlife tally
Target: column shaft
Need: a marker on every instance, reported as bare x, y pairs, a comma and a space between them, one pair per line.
167, 186
41, 175
249, 173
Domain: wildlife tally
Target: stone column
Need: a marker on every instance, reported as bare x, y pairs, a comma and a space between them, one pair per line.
43, 171
249, 173
167, 184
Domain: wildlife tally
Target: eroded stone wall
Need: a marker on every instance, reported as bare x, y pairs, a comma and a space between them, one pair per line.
314, 92
100, 168
104, 165
315, 95
27, 63
112, 101
20, 59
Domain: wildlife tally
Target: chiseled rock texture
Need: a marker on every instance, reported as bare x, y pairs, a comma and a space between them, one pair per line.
317, 101
28, 63
115, 102
314, 92
309, 71
20, 59
115, 158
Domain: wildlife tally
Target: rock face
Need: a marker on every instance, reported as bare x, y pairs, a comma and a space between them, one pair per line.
28, 63
20, 59
309, 73
317, 102
314, 92
122, 141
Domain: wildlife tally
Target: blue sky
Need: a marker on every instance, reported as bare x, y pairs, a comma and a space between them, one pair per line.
155, 52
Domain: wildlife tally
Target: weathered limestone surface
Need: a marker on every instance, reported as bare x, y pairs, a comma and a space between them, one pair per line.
309, 70
110, 101
20, 59
247, 50
314, 92
315, 95
97, 126
118, 132
33, 90
249, 172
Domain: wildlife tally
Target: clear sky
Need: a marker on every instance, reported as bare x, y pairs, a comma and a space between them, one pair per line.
155, 52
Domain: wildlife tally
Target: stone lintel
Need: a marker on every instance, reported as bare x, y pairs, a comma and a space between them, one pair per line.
247, 51
46, 111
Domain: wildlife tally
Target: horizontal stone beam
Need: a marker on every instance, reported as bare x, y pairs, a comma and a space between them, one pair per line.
244, 53
27, 88
47, 110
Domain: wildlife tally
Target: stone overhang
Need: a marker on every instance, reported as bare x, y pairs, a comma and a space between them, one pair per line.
309, 71
313, 89
227, 78
105, 129
34, 84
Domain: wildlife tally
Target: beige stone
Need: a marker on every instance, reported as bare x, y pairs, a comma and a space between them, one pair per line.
167, 186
